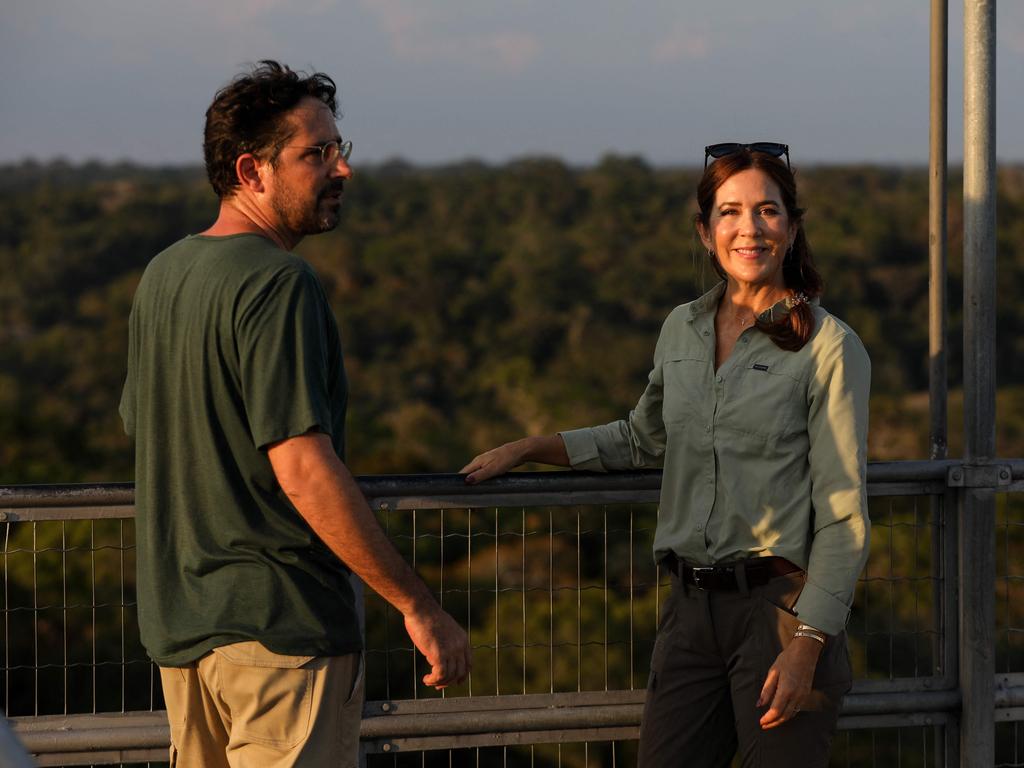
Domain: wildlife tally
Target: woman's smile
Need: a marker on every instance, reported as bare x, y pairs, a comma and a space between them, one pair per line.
749, 231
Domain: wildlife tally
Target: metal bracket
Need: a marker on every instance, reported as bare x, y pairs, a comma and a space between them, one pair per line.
979, 476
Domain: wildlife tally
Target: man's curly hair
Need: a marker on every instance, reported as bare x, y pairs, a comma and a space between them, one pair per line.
247, 116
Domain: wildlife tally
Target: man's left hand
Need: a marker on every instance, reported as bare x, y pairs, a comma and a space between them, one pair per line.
789, 681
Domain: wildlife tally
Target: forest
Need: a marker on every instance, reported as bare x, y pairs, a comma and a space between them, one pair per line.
476, 303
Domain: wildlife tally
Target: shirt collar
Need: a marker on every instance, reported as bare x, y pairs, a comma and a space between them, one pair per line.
709, 303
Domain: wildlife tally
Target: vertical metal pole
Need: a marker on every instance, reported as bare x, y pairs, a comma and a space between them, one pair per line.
979, 229
944, 523
977, 518
949, 624
937, 250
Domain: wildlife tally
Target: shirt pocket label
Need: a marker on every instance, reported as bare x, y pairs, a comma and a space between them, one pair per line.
763, 400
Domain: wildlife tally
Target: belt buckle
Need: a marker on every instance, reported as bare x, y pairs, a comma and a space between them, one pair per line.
699, 573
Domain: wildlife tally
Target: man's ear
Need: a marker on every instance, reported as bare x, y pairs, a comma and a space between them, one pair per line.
248, 168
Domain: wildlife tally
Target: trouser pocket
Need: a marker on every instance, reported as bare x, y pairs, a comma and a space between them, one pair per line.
269, 695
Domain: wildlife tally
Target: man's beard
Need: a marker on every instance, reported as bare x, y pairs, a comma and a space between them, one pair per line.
302, 218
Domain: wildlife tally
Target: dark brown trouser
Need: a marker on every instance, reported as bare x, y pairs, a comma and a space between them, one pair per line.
711, 657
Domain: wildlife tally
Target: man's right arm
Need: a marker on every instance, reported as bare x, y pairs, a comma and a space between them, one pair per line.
324, 492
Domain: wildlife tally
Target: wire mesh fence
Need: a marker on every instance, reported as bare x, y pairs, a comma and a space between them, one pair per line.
918, 747
70, 630
554, 599
896, 627
1009, 744
1009, 583
1009, 651
567, 599
557, 600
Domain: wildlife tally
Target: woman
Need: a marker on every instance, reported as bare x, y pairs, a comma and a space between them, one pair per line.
757, 409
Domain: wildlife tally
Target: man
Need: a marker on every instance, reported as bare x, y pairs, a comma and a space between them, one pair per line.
248, 522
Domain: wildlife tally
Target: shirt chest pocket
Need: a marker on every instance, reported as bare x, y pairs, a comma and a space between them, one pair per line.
763, 402
686, 393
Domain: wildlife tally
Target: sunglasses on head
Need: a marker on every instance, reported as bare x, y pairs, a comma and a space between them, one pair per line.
772, 148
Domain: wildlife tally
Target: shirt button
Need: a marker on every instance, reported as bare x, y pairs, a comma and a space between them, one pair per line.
707, 332
719, 379
700, 527
707, 427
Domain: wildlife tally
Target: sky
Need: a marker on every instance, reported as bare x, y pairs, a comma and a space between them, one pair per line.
438, 81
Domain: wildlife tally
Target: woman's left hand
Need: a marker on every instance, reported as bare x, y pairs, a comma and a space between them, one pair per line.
789, 681
496, 461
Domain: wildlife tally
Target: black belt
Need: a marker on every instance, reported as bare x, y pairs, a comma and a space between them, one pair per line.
757, 571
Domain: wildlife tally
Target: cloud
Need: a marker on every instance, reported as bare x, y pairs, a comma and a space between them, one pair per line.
516, 52
134, 34
683, 42
418, 34
400, 22
233, 15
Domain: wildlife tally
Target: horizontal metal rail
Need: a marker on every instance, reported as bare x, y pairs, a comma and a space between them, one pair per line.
99, 500
393, 725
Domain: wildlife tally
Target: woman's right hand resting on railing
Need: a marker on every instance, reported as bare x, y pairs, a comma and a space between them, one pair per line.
548, 449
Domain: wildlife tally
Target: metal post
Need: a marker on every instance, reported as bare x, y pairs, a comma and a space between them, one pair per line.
977, 512
937, 197
942, 513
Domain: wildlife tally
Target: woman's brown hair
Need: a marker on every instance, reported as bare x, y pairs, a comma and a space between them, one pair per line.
794, 329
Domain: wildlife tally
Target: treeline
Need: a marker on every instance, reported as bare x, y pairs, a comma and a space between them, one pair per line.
476, 302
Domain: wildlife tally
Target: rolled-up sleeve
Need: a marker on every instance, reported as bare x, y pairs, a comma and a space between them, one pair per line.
837, 432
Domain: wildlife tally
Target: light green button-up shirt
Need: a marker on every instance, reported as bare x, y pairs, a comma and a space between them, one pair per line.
765, 456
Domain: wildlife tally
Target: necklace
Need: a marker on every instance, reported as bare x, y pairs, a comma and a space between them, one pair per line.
748, 316
742, 319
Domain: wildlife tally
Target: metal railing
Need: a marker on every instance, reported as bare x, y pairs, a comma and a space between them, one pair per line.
553, 576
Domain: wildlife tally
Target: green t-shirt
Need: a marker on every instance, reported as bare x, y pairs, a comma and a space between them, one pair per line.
232, 346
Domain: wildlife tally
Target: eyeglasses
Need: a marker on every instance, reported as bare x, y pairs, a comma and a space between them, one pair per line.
330, 151
772, 148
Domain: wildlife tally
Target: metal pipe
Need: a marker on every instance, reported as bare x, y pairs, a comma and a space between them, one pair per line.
977, 507
938, 380
937, 248
1011, 696
979, 231
72, 495
372, 486
98, 740
563, 718
115, 500
445, 717
393, 486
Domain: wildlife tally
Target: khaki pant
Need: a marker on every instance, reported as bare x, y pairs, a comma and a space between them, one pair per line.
710, 660
242, 706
